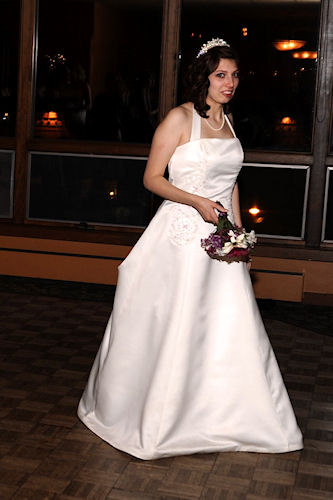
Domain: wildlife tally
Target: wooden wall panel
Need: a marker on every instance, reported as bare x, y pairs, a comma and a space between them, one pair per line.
280, 279
278, 286
59, 267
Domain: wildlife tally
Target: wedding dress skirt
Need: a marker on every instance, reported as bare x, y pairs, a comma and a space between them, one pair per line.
185, 365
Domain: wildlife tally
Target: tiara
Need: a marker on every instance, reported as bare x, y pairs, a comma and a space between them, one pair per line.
216, 42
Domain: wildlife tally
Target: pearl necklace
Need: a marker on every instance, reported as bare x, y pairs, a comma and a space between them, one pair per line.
218, 128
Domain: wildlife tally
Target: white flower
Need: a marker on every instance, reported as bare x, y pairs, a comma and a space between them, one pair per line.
220, 252
251, 238
227, 247
240, 241
236, 241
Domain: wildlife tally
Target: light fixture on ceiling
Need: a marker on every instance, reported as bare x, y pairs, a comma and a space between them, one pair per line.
305, 54
288, 44
254, 210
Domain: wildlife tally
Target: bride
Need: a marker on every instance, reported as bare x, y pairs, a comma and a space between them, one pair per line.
185, 365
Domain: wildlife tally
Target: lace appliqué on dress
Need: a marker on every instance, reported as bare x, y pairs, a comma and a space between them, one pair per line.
194, 182
185, 220
184, 225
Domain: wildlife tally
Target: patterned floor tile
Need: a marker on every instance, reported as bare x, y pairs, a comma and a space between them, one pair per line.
49, 338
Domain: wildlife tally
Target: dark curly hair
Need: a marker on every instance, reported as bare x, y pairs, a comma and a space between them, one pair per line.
196, 78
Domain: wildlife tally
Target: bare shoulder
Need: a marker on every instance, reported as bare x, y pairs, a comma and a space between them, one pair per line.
177, 124
179, 116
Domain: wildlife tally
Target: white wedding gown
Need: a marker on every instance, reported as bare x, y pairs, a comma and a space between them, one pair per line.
185, 365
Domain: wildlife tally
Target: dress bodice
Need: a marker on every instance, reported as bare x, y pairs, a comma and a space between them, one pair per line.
207, 166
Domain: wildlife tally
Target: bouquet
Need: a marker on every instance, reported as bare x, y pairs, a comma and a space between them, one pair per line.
229, 243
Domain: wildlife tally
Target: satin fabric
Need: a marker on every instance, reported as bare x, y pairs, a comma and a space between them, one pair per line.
185, 365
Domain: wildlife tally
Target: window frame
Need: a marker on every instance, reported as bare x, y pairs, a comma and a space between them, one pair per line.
319, 159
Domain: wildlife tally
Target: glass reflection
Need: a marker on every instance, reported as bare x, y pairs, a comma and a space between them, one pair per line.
83, 189
328, 221
6, 183
99, 69
9, 36
273, 199
277, 79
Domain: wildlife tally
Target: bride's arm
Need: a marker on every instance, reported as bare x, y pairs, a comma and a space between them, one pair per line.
235, 194
172, 132
237, 212
236, 206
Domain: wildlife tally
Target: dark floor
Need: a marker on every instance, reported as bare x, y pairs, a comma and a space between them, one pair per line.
312, 317
50, 333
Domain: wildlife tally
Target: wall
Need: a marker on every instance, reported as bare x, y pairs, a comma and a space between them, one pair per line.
273, 278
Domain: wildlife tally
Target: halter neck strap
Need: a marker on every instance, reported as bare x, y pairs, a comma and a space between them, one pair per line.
196, 126
230, 126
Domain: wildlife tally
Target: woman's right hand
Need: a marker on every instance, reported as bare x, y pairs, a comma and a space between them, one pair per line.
208, 209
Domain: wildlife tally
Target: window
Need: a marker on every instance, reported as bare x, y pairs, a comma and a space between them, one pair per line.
274, 103
98, 69
95, 92
328, 210
9, 37
6, 183
273, 199
88, 190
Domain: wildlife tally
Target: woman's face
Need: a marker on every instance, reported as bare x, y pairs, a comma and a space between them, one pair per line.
223, 82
